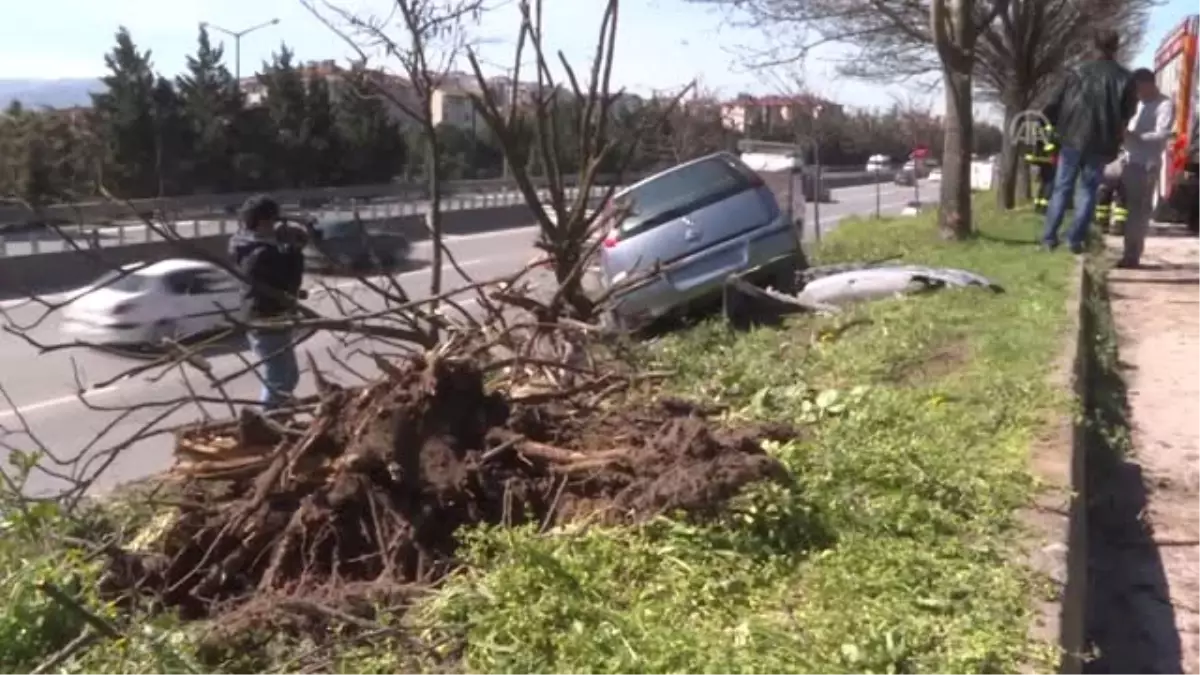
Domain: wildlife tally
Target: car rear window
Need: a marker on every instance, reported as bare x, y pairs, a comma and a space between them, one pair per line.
682, 191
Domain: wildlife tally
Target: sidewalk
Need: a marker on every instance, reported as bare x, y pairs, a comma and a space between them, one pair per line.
1149, 573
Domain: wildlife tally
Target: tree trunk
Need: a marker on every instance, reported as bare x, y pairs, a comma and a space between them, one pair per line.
433, 216
1010, 163
954, 216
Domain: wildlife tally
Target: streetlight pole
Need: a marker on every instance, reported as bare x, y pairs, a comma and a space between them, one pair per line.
816, 116
237, 43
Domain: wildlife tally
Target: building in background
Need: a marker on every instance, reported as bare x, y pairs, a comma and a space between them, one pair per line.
771, 113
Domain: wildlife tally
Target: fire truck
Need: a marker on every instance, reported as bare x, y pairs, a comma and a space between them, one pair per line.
1178, 78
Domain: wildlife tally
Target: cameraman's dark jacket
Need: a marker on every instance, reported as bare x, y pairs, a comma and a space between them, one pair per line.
275, 271
1091, 108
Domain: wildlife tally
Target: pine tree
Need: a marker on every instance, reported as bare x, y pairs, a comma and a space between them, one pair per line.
211, 106
125, 115
285, 105
173, 146
373, 148
323, 153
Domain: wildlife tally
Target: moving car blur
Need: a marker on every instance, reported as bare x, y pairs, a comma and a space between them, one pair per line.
349, 245
675, 236
143, 304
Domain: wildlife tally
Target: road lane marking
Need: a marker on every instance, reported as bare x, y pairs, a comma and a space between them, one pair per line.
50, 403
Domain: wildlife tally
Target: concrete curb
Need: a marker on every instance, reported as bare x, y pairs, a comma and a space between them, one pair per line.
1058, 517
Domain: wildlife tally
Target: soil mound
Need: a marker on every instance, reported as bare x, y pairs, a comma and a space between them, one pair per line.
375, 486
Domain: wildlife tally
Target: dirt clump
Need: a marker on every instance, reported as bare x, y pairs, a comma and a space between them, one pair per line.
377, 484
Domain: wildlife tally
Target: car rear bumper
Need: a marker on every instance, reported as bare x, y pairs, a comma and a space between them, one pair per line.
702, 274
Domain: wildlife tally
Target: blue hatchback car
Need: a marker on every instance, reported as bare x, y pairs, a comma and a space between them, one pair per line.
674, 237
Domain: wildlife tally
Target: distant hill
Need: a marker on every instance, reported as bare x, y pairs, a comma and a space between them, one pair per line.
63, 93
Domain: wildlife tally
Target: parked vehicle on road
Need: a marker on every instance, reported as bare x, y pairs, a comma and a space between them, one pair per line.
144, 304
675, 236
350, 245
878, 164
906, 177
935, 175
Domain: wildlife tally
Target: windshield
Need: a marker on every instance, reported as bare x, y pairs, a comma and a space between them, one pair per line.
124, 281
670, 195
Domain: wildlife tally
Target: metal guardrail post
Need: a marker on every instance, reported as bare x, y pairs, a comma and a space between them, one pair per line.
120, 234
3, 246
35, 244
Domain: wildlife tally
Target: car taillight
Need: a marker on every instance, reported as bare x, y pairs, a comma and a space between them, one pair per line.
611, 240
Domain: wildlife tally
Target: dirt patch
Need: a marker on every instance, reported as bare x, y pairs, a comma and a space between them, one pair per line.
935, 364
375, 487
1144, 537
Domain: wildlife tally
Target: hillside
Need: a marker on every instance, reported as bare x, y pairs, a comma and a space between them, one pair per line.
63, 93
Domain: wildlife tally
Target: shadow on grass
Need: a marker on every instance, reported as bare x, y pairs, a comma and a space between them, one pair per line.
1007, 241
1130, 625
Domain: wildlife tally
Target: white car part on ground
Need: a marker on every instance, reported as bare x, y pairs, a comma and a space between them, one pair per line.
882, 282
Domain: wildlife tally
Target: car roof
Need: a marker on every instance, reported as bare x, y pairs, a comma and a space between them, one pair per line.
168, 266
651, 178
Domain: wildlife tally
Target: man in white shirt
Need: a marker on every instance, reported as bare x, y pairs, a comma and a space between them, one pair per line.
1146, 138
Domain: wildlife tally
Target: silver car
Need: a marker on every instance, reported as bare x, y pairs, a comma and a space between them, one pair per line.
674, 237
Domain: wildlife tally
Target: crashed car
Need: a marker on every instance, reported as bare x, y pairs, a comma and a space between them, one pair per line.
346, 245
674, 237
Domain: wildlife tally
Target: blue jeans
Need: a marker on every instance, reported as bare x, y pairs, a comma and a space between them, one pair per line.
280, 371
1089, 170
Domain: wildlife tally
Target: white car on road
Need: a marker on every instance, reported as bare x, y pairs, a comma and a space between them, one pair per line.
144, 304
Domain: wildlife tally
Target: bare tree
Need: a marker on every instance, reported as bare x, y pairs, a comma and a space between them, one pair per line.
692, 129
898, 40
1020, 57
556, 111
425, 39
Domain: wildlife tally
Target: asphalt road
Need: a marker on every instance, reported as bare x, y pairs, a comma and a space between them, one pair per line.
43, 394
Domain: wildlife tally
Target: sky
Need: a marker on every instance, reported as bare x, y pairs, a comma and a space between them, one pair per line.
661, 44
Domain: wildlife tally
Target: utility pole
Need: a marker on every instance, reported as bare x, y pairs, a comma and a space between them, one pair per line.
816, 116
237, 43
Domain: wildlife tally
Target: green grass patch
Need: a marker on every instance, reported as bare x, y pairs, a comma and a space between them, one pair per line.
896, 549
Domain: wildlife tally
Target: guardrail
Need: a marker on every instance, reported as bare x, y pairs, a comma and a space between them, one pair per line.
197, 206
213, 218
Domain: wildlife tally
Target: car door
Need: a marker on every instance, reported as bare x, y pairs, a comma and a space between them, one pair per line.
178, 305
215, 294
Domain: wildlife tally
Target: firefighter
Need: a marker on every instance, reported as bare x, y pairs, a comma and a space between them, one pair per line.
1111, 212
1043, 158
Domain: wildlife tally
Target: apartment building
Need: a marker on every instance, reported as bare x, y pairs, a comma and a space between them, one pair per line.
772, 112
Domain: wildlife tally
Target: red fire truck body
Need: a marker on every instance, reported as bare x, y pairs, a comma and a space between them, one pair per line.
1176, 75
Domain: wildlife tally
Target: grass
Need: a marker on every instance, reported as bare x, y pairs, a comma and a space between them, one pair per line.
894, 551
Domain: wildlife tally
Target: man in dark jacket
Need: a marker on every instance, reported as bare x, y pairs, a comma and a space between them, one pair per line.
1090, 110
274, 269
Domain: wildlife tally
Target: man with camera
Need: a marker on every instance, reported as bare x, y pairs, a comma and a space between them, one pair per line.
268, 251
